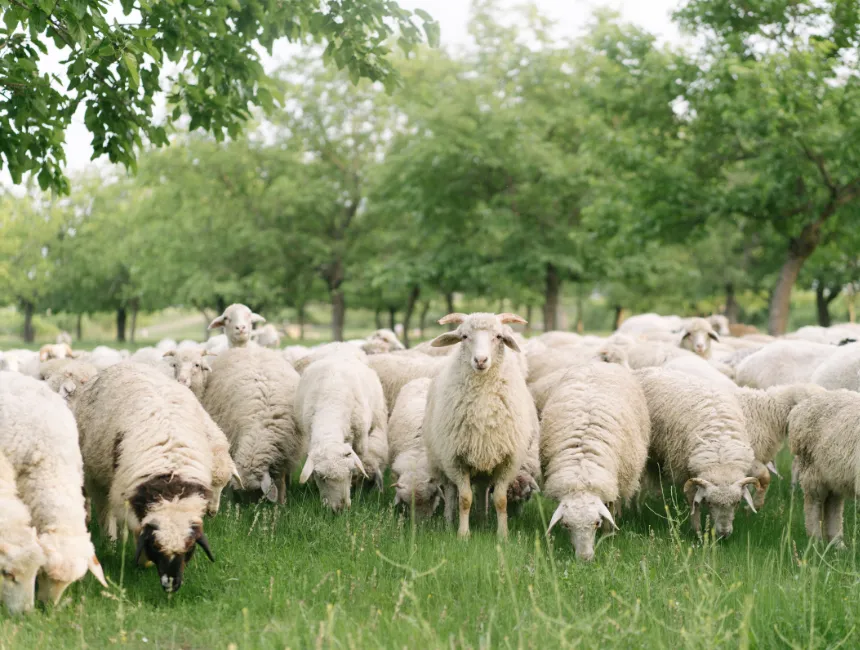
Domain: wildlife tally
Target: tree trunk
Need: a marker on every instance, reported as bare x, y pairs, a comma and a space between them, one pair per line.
449, 303
135, 307
338, 314
422, 324
300, 315
580, 312
823, 298
550, 305
619, 316
733, 309
79, 328
121, 317
220, 304
528, 329
799, 251
377, 318
850, 297
414, 294
29, 332
392, 318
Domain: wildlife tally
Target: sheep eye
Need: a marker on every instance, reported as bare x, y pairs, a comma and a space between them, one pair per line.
499, 337
197, 365
597, 523
465, 337
9, 576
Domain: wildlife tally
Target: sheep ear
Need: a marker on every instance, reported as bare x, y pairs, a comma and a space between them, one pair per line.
307, 470
511, 342
685, 334
379, 481
714, 336
218, 322
204, 544
444, 340
172, 353
96, 569
507, 317
604, 512
270, 490
556, 517
772, 469
748, 498
256, 318
455, 318
358, 464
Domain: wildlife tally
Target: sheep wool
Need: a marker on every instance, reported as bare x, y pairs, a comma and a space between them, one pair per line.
396, 369
783, 362
840, 370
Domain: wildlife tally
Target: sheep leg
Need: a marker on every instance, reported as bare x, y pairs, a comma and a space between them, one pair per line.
833, 507
500, 501
464, 488
763, 476
282, 488
695, 515
812, 514
795, 472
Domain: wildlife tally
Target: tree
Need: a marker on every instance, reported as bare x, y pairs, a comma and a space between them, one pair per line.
115, 69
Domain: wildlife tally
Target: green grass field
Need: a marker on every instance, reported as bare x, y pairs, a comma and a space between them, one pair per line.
299, 577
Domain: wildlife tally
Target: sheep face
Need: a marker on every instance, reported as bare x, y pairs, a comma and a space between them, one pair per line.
67, 559
190, 368
21, 556
237, 321
722, 500
697, 337
484, 337
582, 515
614, 353
411, 491
332, 467
156, 544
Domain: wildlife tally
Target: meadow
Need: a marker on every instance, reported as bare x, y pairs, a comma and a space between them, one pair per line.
298, 576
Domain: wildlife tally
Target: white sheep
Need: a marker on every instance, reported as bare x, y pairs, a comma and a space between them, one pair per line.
237, 322
480, 419
149, 355
190, 367
840, 370
293, 353
217, 344
824, 434
382, 341
250, 393
396, 369
67, 377
267, 336
696, 336
783, 362
644, 354
149, 464
25, 362
55, 351
165, 345
720, 324
594, 438
558, 339
699, 440
39, 438
339, 407
415, 486
337, 350
21, 555
650, 322
696, 366
104, 357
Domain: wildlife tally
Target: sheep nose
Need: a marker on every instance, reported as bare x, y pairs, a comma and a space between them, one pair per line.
724, 532
481, 361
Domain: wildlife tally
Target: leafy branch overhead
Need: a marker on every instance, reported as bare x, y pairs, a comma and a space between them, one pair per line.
204, 55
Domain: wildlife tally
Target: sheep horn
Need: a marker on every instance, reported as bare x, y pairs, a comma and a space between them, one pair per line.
204, 544
455, 318
139, 550
238, 478
508, 317
750, 480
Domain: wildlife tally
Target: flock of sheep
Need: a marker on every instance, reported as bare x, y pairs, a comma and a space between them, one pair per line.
149, 441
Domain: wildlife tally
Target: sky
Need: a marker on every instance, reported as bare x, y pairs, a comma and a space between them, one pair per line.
571, 17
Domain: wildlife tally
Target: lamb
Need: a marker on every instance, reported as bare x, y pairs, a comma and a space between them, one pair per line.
337, 350
824, 436
67, 377
21, 555
39, 438
382, 341
55, 351
480, 418
696, 336
339, 407
594, 438
841, 370
190, 368
783, 362
699, 439
267, 336
249, 393
415, 486
237, 322
148, 461
766, 413
396, 369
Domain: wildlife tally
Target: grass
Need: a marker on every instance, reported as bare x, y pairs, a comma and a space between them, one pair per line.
299, 577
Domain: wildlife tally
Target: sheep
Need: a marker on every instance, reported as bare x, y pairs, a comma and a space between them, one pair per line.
190, 368
149, 355
696, 336
21, 555
427, 348
237, 322
841, 370
339, 407
720, 324
165, 345
783, 362
766, 413
267, 336
697, 367
650, 322
148, 461
557, 339
217, 344
104, 357
337, 350
39, 438
293, 353
826, 335
67, 377
742, 330
594, 438
249, 393
55, 351
382, 341
552, 359
64, 337
698, 438
824, 436
647, 355
25, 362
480, 419
415, 486
396, 369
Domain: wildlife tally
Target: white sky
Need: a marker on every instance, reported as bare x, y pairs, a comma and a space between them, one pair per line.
570, 15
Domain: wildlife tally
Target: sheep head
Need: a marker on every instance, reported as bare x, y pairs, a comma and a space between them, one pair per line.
68, 558
582, 514
697, 336
238, 321
190, 368
21, 556
484, 337
721, 499
332, 467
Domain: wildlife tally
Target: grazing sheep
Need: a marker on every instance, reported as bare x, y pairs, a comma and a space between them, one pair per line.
696, 336
237, 322
480, 419
382, 341
840, 370
552, 359
55, 351
783, 362
824, 433
699, 439
593, 445
766, 413
190, 368
415, 486
148, 460
267, 336
542, 388
39, 438
249, 393
396, 369
21, 555
338, 350
339, 407
66, 377
698, 367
